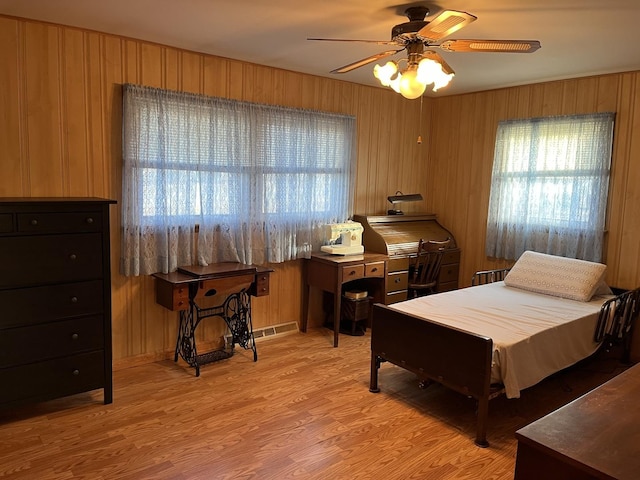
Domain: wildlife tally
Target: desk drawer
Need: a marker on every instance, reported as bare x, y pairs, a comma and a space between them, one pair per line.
50, 340
28, 306
395, 297
374, 269
449, 273
261, 286
451, 256
398, 264
352, 272
397, 281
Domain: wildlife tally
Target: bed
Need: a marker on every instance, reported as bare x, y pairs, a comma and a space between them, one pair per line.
503, 337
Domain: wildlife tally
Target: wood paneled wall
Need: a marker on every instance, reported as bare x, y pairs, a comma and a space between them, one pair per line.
463, 129
60, 135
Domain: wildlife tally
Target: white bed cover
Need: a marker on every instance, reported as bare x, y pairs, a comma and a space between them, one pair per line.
534, 335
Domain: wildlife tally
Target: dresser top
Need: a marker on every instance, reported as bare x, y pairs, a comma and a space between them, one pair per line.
32, 200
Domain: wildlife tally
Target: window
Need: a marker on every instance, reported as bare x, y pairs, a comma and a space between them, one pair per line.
549, 186
258, 180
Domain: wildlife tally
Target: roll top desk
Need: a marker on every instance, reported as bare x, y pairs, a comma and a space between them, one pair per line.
397, 236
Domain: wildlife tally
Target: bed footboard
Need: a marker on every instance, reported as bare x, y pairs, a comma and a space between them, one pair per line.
457, 359
617, 320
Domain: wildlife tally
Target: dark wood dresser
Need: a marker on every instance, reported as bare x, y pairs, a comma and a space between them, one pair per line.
55, 291
597, 436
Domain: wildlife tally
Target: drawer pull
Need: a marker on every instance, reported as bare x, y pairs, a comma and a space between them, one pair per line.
75, 336
397, 280
73, 256
76, 372
374, 269
34, 222
352, 272
89, 220
74, 299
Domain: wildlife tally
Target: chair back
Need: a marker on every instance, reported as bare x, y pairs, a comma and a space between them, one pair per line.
424, 277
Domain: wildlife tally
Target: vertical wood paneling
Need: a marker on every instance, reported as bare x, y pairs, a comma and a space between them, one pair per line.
10, 119
75, 139
44, 138
61, 135
483, 110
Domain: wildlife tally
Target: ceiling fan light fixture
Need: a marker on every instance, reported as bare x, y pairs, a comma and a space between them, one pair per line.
386, 72
410, 84
431, 72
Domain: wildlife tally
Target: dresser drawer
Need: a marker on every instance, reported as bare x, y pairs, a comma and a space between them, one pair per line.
374, 269
33, 260
52, 378
28, 306
60, 222
6, 223
352, 272
50, 340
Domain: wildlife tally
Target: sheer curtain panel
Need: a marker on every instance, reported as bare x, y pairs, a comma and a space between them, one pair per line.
208, 179
549, 186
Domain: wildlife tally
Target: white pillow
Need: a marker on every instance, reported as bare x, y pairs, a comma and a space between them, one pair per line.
556, 276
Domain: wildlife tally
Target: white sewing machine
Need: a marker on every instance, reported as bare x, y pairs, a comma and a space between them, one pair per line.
344, 238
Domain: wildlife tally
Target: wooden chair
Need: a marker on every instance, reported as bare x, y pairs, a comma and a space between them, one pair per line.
424, 277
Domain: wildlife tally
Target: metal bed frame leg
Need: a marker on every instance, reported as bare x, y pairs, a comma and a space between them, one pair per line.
483, 413
375, 366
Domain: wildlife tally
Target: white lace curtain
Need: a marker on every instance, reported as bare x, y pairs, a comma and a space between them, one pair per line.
259, 181
549, 186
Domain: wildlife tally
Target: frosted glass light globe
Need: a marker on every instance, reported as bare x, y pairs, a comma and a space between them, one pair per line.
410, 86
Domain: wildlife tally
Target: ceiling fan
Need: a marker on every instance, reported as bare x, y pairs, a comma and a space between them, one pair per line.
424, 65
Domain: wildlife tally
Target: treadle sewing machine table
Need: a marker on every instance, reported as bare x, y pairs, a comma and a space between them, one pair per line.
179, 291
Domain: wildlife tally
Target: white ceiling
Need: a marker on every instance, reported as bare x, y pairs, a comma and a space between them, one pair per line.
578, 37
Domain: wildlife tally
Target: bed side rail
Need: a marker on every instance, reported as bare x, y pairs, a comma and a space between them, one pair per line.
489, 276
616, 321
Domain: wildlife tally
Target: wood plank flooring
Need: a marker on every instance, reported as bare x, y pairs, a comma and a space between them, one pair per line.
302, 411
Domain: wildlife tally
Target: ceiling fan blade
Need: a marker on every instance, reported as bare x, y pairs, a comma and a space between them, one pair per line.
445, 24
365, 61
377, 42
508, 46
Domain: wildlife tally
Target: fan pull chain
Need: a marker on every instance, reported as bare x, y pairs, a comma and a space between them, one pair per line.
420, 122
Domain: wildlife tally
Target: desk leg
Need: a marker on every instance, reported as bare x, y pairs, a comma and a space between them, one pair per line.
186, 343
237, 315
337, 298
305, 308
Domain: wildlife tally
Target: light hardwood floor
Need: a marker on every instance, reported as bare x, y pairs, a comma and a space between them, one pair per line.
302, 411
